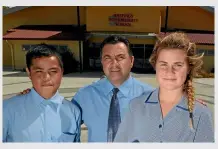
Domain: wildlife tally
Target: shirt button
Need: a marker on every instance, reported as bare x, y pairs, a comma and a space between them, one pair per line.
160, 126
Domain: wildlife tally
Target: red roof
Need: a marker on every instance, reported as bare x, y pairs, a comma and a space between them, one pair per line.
195, 37
29, 34
48, 32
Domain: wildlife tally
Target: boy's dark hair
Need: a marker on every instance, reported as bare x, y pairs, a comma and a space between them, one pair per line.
114, 40
42, 50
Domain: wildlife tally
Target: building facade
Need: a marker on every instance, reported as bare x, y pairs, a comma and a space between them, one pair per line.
81, 29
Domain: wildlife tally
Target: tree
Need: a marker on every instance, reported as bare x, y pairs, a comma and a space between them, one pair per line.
5, 7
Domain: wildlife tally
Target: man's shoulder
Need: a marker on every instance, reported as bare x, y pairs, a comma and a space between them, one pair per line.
73, 107
139, 83
140, 100
91, 87
69, 104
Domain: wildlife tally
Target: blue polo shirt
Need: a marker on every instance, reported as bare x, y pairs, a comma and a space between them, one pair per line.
144, 123
31, 118
94, 102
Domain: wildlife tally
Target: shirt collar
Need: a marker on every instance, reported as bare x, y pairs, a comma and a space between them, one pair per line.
183, 104
153, 98
105, 86
123, 88
56, 98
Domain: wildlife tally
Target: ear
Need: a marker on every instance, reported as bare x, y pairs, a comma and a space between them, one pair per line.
62, 71
132, 61
189, 71
28, 73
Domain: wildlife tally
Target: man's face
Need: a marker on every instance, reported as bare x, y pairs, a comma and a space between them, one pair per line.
116, 62
45, 74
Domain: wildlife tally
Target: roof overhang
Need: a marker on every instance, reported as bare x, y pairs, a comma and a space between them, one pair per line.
14, 9
45, 32
127, 35
197, 38
208, 8
22, 34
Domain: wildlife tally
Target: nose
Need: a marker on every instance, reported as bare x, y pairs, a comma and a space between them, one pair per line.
114, 62
45, 76
170, 70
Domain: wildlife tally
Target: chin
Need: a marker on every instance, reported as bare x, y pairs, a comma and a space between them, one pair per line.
169, 87
47, 96
47, 93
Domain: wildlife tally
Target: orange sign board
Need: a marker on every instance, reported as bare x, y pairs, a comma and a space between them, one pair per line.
122, 19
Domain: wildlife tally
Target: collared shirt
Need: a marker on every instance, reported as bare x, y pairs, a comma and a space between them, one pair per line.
31, 118
144, 123
94, 101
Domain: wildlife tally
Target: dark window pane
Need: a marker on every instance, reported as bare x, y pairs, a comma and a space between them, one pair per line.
200, 51
210, 52
25, 47
62, 47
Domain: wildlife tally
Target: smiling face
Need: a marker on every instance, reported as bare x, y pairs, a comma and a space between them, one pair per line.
116, 62
171, 68
45, 74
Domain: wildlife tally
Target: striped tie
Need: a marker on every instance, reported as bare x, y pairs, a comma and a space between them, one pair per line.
114, 117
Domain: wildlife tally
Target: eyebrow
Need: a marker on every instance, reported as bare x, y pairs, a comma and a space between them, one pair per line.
120, 55
106, 56
53, 68
174, 62
36, 67
179, 62
115, 56
162, 62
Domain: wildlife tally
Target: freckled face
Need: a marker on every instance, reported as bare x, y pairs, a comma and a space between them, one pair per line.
171, 68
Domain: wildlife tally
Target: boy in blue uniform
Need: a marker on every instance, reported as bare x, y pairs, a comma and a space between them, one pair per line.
43, 115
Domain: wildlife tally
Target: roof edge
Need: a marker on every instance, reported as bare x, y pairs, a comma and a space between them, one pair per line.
14, 9
208, 8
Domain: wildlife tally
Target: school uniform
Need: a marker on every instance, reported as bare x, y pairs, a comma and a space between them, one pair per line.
31, 118
144, 123
94, 101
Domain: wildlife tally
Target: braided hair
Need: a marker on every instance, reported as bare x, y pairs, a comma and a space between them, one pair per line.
179, 40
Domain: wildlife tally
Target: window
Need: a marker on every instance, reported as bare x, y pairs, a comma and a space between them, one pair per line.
200, 51
206, 52
62, 47
137, 45
210, 52
27, 47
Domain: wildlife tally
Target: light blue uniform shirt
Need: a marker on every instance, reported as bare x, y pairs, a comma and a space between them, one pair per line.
144, 123
94, 101
31, 118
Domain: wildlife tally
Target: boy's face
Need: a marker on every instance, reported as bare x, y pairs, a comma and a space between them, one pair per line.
45, 74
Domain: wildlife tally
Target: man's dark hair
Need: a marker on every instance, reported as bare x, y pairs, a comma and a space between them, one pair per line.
114, 40
42, 50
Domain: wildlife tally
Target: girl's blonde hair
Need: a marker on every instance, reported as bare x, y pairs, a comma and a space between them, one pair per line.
179, 40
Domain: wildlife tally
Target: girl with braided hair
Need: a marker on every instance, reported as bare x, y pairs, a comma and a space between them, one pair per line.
170, 113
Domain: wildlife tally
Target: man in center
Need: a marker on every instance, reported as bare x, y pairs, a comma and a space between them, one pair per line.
103, 103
